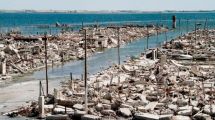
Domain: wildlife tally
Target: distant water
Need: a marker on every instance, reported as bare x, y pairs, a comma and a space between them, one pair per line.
30, 23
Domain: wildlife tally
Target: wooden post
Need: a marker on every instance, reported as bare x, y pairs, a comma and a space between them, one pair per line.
41, 107
3, 67
118, 46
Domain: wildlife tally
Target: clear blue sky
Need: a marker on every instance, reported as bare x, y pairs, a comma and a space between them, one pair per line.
146, 5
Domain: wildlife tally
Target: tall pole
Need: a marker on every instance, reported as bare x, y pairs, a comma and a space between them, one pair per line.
166, 36
82, 25
205, 26
179, 26
118, 46
207, 32
157, 36
40, 88
187, 26
195, 33
173, 21
85, 70
147, 40
47, 82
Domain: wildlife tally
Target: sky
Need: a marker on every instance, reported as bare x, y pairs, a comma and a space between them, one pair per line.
93, 5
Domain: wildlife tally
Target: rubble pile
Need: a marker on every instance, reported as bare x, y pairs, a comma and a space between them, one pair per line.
167, 83
26, 54
142, 89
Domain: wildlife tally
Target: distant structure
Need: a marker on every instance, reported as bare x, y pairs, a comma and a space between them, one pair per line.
173, 21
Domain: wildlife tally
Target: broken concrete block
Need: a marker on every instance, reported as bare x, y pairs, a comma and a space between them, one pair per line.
202, 116
3, 67
125, 112
187, 112
58, 117
209, 109
78, 113
163, 59
90, 117
145, 116
173, 107
151, 106
61, 110
78, 106
99, 107
165, 117
180, 117
108, 113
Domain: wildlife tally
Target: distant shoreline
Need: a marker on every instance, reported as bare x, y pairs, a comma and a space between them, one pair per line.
101, 11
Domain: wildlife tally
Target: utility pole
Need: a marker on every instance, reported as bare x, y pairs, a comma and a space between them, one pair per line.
118, 46
85, 69
47, 82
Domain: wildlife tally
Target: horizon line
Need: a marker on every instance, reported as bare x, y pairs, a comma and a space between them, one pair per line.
52, 10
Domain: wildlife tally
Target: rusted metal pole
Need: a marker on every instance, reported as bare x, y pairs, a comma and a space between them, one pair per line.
40, 88
72, 84
173, 21
82, 25
85, 70
47, 82
166, 36
179, 23
205, 26
180, 27
187, 26
147, 40
157, 36
195, 33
